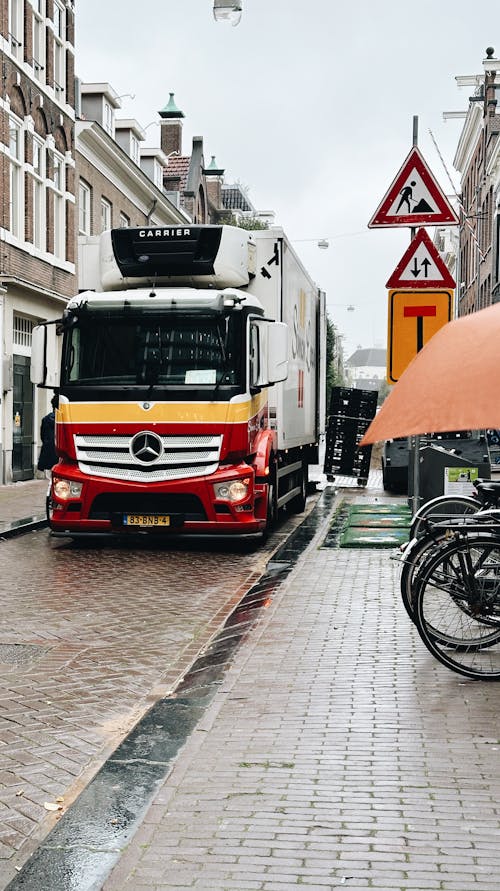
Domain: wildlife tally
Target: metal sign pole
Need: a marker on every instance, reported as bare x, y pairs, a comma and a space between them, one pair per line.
416, 441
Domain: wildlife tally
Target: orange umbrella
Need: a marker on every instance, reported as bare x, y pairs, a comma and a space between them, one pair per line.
453, 383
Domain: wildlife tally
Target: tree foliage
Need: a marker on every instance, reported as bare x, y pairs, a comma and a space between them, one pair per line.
335, 375
250, 223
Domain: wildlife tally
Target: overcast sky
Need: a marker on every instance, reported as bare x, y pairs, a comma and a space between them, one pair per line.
308, 103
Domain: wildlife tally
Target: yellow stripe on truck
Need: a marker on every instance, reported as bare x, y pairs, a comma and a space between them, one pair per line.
161, 412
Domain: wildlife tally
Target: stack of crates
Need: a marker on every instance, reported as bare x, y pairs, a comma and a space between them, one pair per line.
350, 413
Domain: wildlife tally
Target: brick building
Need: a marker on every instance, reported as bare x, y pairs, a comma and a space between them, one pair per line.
37, 206
194, 187
478, 160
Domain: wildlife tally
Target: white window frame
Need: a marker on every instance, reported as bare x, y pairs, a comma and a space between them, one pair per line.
84, 208
59, 50
16, 27
124, 221
22, 330
109, 118
39, 194
16, 178
106, 214
158, 175
134, 148
39, 40
59, 188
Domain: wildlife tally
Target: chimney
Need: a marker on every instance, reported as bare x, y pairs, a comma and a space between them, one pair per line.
214, 176
171, 127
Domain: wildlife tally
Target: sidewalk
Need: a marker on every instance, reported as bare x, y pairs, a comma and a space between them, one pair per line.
336, 753
22, 506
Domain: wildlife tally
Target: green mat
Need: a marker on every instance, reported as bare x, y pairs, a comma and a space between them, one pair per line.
381, 509
365, 537
376, 526
377, 521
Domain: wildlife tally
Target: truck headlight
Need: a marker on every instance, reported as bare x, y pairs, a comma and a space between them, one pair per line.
233, 490
65, 489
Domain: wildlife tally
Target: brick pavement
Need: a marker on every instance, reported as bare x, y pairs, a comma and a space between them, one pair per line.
90, 637
337, 754
22, 503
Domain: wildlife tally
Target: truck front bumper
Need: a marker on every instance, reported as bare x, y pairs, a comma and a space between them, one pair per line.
180, 507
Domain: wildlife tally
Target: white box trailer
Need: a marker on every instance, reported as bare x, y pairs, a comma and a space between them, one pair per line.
288, 294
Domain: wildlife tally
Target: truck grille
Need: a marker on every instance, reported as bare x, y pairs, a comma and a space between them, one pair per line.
180, 457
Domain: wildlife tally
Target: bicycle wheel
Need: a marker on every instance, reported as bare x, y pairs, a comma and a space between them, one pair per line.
413, 557
457, 606
444, 507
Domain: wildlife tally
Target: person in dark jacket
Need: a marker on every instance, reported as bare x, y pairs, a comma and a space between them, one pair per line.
48, 456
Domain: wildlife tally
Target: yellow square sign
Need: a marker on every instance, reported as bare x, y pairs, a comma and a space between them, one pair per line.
413, 318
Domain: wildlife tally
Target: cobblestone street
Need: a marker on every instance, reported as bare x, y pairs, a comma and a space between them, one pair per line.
89, 638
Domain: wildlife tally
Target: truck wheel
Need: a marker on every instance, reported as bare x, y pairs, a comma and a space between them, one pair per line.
297, 504
272, 500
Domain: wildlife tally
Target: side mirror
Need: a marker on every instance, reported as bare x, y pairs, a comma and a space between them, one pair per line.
268, 352
277, 354
44, 369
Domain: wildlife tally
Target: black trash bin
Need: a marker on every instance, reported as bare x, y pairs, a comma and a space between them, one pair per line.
463, 452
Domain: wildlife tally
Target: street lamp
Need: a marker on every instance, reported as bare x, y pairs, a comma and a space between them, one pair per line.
228, 11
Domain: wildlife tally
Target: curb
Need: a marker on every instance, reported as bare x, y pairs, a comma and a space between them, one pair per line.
18, 527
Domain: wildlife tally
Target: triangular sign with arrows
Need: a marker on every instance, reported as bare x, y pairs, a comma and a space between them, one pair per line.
421, 266
414, 198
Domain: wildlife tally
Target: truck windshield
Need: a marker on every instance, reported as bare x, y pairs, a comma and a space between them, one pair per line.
166, 351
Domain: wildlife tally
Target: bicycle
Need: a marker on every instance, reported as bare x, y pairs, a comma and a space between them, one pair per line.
449, 507
456, 603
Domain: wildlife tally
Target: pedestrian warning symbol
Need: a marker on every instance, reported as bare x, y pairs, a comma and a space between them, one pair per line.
413, 318
421, 266
414, 198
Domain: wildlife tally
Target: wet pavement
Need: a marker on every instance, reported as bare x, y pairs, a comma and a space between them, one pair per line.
90, 638
311, 741
22, 507
89, 838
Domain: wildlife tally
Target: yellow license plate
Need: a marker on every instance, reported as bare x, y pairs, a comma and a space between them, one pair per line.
148, 520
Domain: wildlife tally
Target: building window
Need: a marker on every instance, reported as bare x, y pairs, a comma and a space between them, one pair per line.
16, 27
39, 39
84, 204
59, 51
16, 193
109, 120
105, 215
59, 207
158, 175
134, 149
124, 221
22, 331
39, 218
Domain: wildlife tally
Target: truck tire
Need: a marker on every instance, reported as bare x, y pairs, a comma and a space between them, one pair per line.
272, 499
297, 504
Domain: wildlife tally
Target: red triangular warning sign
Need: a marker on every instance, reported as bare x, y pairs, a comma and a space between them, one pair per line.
421, 266
414, 198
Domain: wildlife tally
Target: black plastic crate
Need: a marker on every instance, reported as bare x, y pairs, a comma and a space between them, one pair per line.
351, 412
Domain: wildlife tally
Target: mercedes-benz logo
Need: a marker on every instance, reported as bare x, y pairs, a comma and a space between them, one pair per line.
146, 447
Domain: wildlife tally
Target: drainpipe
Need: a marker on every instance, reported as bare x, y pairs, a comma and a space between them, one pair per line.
151, 211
